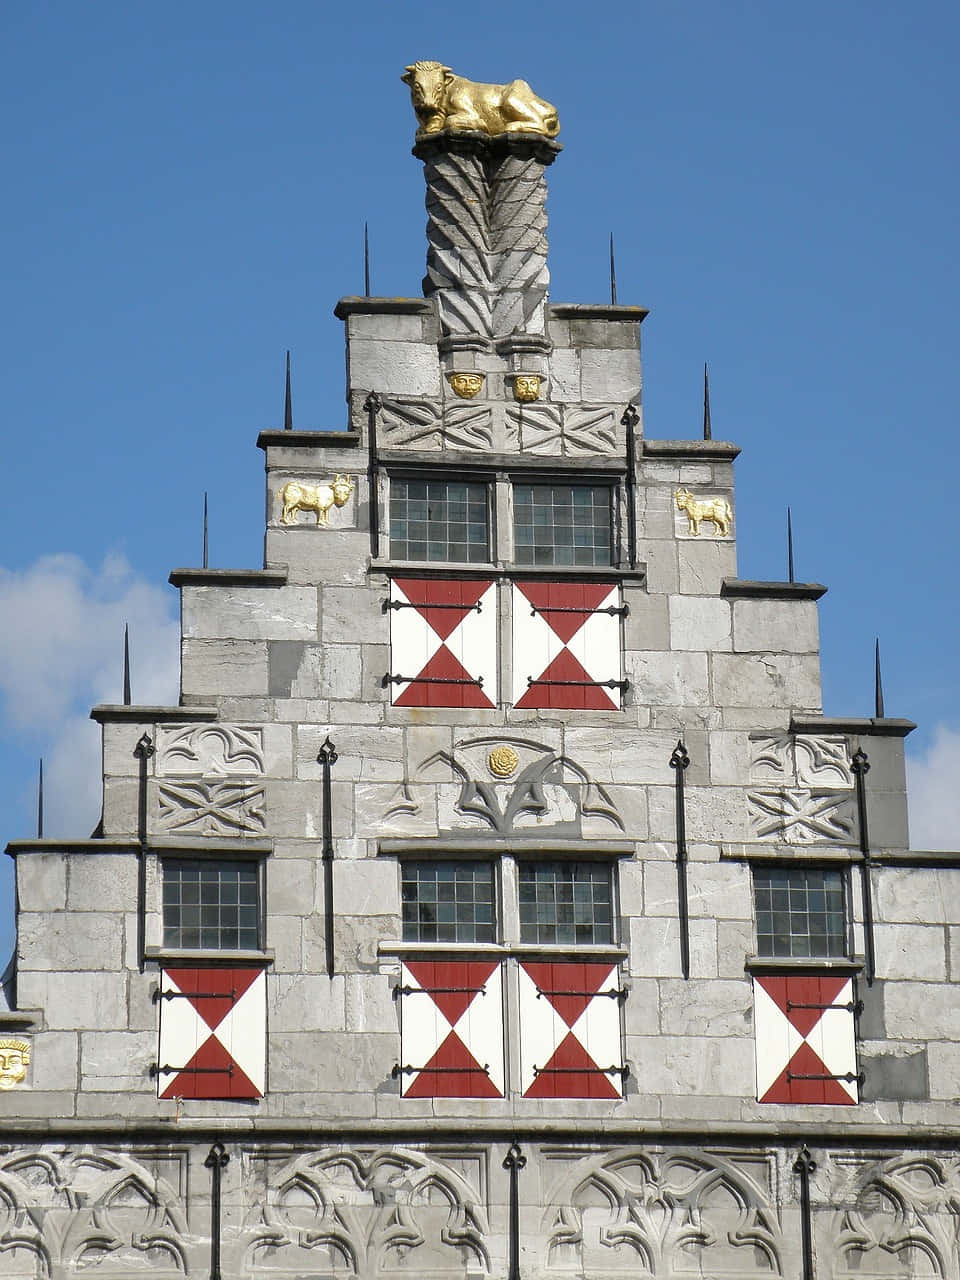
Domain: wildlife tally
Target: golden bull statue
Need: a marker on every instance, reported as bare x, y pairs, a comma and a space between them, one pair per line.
442, 100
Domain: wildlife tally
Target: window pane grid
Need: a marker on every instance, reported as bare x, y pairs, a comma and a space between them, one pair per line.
800, 912
562, 524
565, 903
447, 901
439, 520
211, 905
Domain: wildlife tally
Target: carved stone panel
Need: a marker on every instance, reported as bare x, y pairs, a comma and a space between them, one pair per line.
363, 1212
211, 808
591, 428
806, 760
655, 1213
796, 815
219, 750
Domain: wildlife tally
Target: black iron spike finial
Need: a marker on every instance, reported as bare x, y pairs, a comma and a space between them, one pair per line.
366, 261
205, 545
613, 275
126, 665
287, 401
877, 682
790, 577
40, 802
707, 428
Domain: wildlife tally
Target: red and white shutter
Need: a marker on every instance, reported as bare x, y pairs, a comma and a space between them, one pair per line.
570, 1041
806, 1045
451, 1029
443, 642
213, 1028
566, 645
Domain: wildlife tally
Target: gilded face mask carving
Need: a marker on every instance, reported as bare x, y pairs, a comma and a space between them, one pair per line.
526, 387
14, 1059
465, 385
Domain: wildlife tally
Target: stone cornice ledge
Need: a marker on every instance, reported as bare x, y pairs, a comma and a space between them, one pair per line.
228, 577
118, 844
308, 439
841, 1130
872, 726
353, 305
11, 1019
595, 311
423, 846
745, 589
691, 450
115, 712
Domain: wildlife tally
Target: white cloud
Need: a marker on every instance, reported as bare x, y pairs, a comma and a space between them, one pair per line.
934, 794
61, 651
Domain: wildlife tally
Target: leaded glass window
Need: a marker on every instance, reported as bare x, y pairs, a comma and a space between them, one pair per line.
447, 901
211, 905
565, 902
439, 520
562, 524
800, 912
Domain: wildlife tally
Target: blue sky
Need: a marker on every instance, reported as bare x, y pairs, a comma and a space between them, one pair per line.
186, 187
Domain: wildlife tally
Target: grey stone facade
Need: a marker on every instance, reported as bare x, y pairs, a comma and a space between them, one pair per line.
333, 1171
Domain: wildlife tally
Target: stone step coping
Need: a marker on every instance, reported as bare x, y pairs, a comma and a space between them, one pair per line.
835, 1128
596, 311
207, 956
197, 846
308, 439
749, 589
228, 577
357, 305
867, 726
11, 1019
691, 450
113, 712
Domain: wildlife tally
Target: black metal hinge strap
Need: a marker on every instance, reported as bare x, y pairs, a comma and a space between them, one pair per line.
391, 679
849, 1076
196, 995
614, 993
853, 1006
679, 762
614, 610
407, 1070
425, 604
581, 1071
440, 991
166, 1069
584, 684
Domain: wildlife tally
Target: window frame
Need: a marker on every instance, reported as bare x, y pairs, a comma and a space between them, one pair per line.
161, 950
612, 879
496, 900
813, 959
443, 476
543, 479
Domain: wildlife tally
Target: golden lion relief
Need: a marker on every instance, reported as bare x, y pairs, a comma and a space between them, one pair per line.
442, 100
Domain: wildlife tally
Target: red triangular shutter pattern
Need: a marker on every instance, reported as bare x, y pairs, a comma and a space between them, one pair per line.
805, 1039
570, 1035
212, 1041
451, 1029
566, 645
443, 645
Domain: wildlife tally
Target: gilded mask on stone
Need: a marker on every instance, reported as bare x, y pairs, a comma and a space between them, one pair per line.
14, 1059
465, 384
526, 387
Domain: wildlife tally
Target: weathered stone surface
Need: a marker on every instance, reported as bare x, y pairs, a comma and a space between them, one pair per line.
655, 947
65, 940
74, 1001
609, 375
249, 613
668, 679
353, 617
770, 680
42, 881
239, 666
704, 565
712, 1008
117, 1061
102, 882
783, 626
698, 623
921, 1011
394, 368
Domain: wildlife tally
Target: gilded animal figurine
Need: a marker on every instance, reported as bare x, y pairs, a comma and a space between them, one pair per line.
715, 509
319, 498
442, 100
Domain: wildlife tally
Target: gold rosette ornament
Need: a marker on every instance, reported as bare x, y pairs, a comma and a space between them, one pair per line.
502, 762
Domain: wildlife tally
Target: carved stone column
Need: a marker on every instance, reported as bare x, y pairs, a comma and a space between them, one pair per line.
486, 234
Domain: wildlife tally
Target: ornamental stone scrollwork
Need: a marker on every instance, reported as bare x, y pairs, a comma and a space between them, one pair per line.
590, 428
504, 785
535, 428
364, 1213
568, 430
424, 424
664, 1214
219, 750
895, 1218
800, 816
802, 759
63, 1212
211, 808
